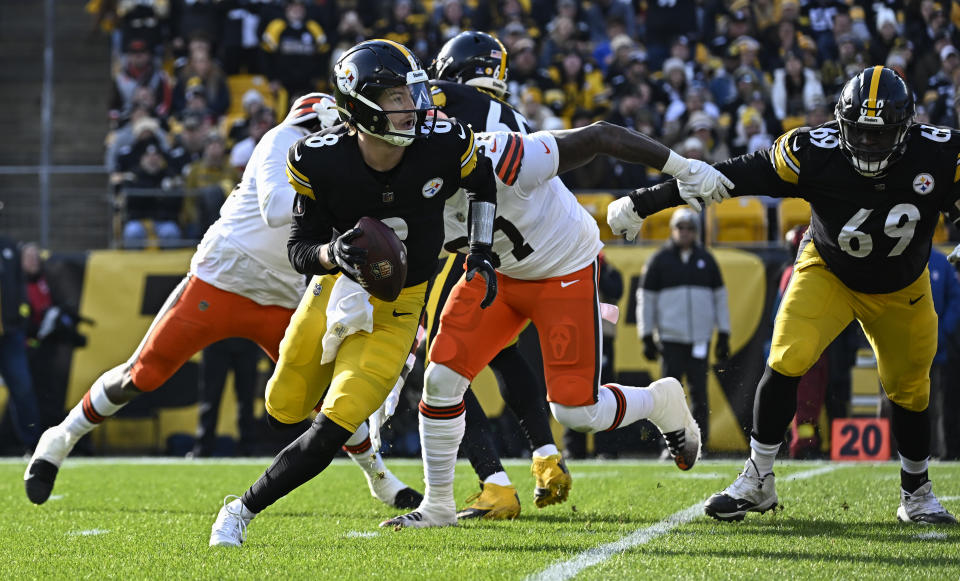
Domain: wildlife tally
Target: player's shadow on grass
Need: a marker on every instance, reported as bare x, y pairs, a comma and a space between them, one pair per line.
793, 527
755, 555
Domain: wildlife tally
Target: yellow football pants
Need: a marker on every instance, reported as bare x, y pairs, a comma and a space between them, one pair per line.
365, 369
901, 327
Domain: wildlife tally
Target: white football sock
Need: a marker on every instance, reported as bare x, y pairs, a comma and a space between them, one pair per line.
545, 450
763, 456
77, 424
440, 440
498, 478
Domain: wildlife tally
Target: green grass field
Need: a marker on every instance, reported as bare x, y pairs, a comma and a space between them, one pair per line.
151, 518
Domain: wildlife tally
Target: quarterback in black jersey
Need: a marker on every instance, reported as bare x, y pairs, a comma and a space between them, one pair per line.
469, 83
877, 184
394, 160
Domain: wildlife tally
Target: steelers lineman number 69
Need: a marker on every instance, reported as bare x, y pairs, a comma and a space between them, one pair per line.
901, 223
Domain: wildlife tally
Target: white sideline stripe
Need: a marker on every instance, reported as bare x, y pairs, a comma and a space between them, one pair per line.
89, 532
570, 568
942, 498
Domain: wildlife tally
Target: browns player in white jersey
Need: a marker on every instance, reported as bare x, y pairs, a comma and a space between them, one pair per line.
547, 246
241, 272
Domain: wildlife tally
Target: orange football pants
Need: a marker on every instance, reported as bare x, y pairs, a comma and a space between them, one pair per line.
565, 310
198, 314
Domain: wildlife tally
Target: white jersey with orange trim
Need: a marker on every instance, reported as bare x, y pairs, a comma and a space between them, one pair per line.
541, 230
245, 250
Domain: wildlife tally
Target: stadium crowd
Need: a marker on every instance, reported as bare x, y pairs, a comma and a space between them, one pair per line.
710, 79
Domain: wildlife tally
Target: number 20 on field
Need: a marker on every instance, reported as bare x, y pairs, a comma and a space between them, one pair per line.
860, 439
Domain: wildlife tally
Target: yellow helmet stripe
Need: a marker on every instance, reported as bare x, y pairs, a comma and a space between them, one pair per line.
404, 51
503, 60
874, 87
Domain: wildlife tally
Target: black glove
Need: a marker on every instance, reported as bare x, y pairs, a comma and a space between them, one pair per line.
722, 349
480, 260
650, 349
345, 255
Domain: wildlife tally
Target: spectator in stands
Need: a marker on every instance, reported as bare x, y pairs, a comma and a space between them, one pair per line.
202, 75
241, 356
196, 20
146, 21
680, 301
941, 88
849, 61
678, 113
121, 142
151, 211
138, 70
887, 36
188, 141
561, 39
450, 18
582, 85
207, 182
664, 22
350, 31
261, 122
735, 25
795, 89
239, 44
527, 79
252, 102
821, 15
404, 23
14, 367
295, 51
945, 289
704, 128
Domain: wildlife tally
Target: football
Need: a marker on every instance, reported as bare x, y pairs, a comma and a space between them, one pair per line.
385, 272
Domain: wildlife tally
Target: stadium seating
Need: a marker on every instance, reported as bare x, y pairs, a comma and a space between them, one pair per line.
792, 212
240, 84
657, 226
737, 221
596, 204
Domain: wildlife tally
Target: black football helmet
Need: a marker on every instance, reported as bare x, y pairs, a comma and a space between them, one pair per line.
875, 111
369, 69
473, 58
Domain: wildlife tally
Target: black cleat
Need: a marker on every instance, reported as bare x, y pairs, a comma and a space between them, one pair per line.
39, 480
407, 498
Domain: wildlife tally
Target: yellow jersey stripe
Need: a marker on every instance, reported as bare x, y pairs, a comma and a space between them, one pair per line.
503, 61
300, 186
298, 174
956, 174
789, 151
468, 154
782, 164
874, 87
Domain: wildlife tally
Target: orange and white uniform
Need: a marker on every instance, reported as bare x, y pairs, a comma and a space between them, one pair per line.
240, 282
547, 246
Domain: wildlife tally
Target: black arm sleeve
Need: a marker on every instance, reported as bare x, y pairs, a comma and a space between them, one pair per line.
752, 175
311, 230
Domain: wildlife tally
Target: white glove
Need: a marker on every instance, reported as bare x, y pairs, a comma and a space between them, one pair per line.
348, 311
700, 184
623, 219
954, 255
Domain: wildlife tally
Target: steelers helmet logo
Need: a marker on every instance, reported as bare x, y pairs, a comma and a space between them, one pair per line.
923, 184
346, 79
431, 188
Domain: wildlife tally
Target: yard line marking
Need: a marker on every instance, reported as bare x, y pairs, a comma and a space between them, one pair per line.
55, 497
571, 567
931, 535
361, 534
942, 498
89, 532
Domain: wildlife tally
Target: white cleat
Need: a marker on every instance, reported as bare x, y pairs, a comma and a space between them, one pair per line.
750, 492
672, 416
230, 528
41, 474
425, 516
921, 506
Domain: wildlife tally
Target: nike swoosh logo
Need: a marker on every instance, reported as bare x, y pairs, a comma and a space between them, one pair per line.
493, 148
296, 153
399, 314
463, 134
565, 284
545, 148
914, 301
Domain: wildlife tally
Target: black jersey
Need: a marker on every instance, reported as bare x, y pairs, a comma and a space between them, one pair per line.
875, 234
335, 188
478, 108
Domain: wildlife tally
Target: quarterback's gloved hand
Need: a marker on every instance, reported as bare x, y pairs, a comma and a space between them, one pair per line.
345, 255
650, 349
722, 348
699, 183
480, 261
954, 255
623, 218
